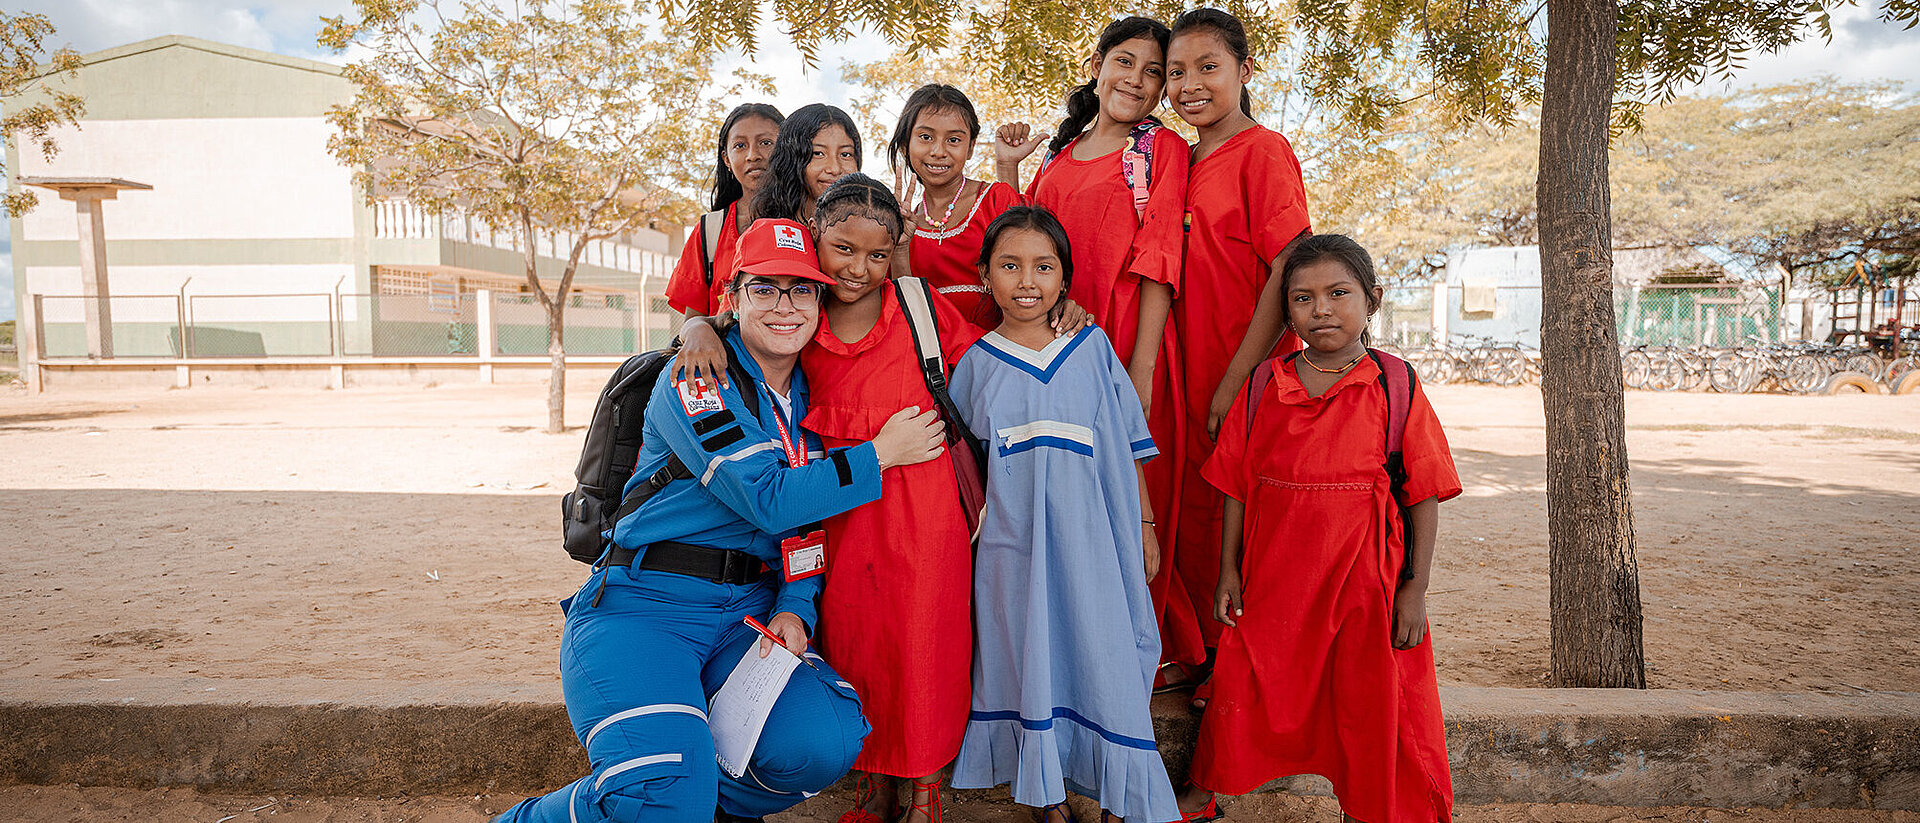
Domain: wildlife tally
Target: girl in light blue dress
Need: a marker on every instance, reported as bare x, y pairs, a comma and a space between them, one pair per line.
1065, 636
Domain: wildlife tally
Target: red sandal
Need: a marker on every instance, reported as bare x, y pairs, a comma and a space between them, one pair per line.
863, 791
932, 806
1204, 814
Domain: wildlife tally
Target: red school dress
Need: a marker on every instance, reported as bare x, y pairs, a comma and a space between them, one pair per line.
1245, 202
950, 260
687, 287
895, 619
1113, 249
1309, 681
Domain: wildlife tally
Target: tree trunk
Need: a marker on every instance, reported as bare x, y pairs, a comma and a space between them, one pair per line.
557, 370
1595, 580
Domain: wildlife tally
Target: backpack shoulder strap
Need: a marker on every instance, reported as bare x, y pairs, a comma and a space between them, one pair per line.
711, 225
1137, 164
1257, 386
675, 468
1397, 378
916, 301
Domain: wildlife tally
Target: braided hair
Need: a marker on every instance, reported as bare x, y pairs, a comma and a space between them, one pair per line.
1231, 32
1082, 102
786, 186
857, 195
726, 187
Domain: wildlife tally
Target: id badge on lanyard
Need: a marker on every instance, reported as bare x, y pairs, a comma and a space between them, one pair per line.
805, 555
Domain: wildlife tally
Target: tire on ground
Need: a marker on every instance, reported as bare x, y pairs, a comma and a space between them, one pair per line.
1845, 382
1908, 383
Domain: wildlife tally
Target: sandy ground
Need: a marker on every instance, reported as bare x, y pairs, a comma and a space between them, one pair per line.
60, 804
409, 533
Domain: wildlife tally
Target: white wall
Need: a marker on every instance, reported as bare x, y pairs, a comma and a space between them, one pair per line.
219, 178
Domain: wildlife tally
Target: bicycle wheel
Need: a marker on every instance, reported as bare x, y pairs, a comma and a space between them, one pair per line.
1668, 373
1900, 367
1873, 367
1804, 373
1635, 366
1731, 373
1506, 366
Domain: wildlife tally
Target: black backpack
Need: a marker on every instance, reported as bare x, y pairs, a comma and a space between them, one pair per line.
613, 447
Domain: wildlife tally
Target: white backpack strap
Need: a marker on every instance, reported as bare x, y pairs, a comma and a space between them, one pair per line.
916, 299
710, 225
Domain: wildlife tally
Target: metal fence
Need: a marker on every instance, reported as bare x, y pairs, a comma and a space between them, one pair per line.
1666, 315
345, 325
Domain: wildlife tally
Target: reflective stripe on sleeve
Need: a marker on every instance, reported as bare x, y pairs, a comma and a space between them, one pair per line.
714, 464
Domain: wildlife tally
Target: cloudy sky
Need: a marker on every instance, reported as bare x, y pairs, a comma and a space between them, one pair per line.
1862, 48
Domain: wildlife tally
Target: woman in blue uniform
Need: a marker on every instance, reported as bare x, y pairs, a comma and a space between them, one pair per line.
659, 625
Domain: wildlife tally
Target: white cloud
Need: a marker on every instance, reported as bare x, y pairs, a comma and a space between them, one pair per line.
1863, 48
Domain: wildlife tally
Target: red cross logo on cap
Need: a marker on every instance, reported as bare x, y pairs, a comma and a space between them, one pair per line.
788, 237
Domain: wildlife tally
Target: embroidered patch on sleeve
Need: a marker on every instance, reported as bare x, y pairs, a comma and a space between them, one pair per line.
699, 396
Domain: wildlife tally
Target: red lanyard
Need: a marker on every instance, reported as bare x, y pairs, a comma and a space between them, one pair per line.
796, 457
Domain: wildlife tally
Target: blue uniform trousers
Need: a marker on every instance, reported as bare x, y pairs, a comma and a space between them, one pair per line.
637, 671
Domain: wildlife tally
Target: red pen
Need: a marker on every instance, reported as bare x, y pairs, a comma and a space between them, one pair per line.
768, 634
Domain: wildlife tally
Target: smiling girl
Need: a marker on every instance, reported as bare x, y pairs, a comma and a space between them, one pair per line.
1245, 203
935, 139
1066, 651
746, 144
1325, 666
894, 614
817, 145
1117, 180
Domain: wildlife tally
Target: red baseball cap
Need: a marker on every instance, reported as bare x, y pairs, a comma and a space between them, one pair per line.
774, 247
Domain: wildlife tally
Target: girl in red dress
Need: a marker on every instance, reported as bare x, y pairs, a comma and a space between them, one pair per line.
746, 144
1245, 203
934, 140
815, 146
894, 616
1118, 182
1324, 666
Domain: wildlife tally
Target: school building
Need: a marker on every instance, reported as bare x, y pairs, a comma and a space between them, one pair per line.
237, 248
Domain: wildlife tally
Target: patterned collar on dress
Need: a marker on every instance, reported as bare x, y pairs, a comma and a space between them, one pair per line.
1041, 364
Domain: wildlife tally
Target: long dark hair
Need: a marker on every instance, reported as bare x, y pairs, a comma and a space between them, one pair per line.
857, 195
1231, 32
1032, 218
1082, 102
786, 186
1314, 248
930, 97
726, 187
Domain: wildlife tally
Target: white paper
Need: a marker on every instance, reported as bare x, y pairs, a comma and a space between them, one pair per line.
739, 710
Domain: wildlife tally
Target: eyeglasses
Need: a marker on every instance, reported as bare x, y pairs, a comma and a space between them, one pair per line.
765, 296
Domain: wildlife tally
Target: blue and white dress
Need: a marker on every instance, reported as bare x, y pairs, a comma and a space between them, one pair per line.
1065, 638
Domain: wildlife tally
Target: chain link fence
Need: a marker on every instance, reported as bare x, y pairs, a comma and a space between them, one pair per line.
1718, 315
594, 324
349, 325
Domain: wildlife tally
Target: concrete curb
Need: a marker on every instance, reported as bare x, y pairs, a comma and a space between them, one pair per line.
1507, 745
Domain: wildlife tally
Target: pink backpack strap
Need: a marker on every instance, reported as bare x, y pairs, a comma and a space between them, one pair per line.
1397, 377
1136, 163
1257, 385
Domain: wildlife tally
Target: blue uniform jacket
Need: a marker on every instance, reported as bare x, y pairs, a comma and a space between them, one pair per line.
743, 496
